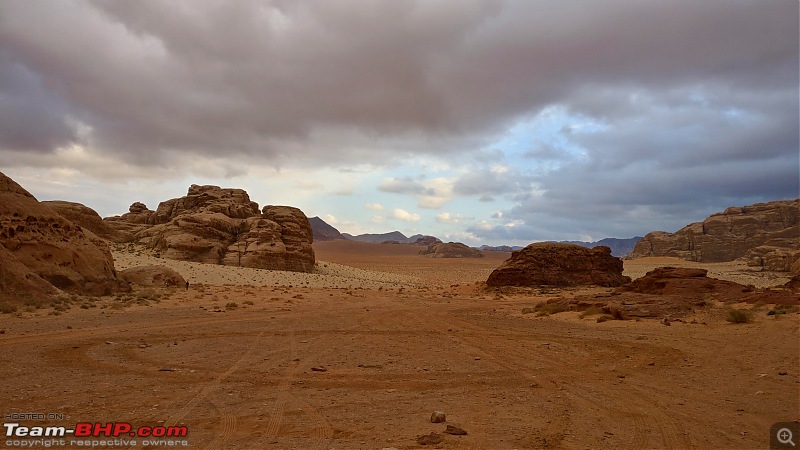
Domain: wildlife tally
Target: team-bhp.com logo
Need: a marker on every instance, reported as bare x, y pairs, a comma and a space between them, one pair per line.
93, 434
97, 429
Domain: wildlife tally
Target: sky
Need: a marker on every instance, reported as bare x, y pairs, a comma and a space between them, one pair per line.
485, 122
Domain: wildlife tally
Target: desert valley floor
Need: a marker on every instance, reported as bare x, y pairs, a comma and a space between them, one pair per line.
358, 356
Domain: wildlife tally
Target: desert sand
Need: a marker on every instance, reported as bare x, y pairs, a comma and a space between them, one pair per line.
359, 354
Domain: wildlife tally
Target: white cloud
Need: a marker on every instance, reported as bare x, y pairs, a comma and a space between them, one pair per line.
374, 206
331, 219
404, 215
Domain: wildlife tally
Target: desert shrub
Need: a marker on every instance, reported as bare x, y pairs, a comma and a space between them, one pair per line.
231, 305
545, 309
738, 316
603, 318
249, 302
528, 310
591, 311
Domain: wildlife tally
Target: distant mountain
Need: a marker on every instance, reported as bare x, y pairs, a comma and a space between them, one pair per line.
322, 231
394, 237
499, 248
619, 247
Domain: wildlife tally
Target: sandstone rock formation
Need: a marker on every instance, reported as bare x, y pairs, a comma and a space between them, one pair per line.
87, 218
671, 293
557, 264
159, 276
450, 250
51, 247
223, 226
732, 234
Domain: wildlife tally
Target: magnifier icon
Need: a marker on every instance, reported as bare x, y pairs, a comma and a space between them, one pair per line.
785, 436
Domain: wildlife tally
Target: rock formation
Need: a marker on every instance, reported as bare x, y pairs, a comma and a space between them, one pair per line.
752, 232
87, 218
557, 264
450, 250
159, 276
671, 293
223, 226
51, 248
426, 240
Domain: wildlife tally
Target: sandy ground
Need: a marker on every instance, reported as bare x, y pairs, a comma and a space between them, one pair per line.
388, 354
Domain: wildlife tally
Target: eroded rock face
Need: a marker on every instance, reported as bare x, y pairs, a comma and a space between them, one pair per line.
87, 218
157, 276
450, 250
729, 235
223, 226
63, 254
557, 264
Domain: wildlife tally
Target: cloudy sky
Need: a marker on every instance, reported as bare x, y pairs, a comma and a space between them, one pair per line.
480, 121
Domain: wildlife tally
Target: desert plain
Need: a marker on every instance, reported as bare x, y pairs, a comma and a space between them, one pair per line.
359, 354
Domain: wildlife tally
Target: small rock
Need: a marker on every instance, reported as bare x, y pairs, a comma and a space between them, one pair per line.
641, 337
69, 327
759, 392
477, 358
429, 439
142, 345
167, 369
109, 342
783, 372
319, 369
666, 322
651, 363
452, 429
438, 417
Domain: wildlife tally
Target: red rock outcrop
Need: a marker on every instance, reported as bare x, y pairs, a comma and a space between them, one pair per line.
557, 264
450, 250
730, 235
158, 276
51, 247
669, 292
223, 226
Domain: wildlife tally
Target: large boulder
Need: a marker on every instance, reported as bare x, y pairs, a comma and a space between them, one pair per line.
51, 247
730, 235
557, 264
223, 226
154, 275
450, 250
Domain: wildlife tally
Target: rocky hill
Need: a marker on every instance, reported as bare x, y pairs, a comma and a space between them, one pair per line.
558, 264
619, 247
765, 234
392, 237
450, 250
323, 231
223, 226
42, 252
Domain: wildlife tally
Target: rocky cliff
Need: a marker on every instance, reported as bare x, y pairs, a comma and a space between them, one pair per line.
223, 226
43, 250
757, 233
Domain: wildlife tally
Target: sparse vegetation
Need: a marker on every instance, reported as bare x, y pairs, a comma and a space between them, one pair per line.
591, 311
5, 308
546, 309
249, 302
231, 305
739, 316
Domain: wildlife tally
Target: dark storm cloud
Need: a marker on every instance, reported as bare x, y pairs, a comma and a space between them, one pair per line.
697, 101
260, 77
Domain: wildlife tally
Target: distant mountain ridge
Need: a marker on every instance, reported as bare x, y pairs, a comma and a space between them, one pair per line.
322, 231
377, 238
619, 247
